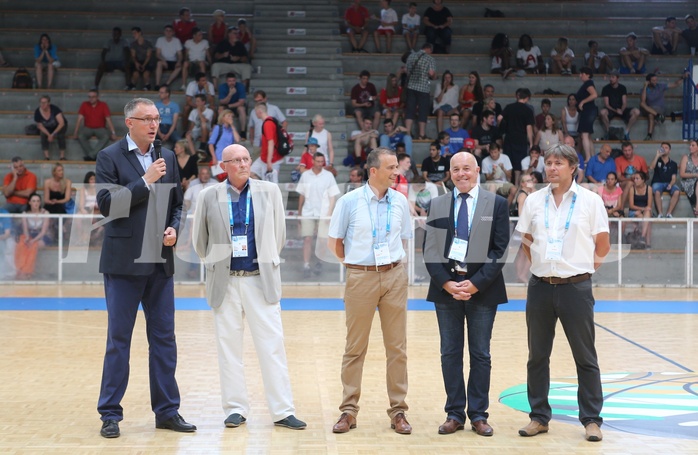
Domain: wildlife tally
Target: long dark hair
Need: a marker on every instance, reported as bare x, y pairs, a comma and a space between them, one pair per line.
477, 91
499, 41
443, 78
88, 176
50, 45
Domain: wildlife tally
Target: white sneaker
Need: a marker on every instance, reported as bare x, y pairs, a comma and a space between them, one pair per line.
668, 215
660, 216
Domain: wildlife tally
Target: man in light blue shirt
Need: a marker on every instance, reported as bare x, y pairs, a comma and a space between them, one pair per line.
169, 116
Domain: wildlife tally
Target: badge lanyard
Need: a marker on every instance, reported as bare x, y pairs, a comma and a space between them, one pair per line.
569, 214
471, 214
247, 212
370, 215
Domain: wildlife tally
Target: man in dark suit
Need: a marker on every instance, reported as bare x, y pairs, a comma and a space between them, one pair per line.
138, 265
466, 286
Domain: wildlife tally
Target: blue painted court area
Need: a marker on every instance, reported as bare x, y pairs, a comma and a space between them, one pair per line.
98, 304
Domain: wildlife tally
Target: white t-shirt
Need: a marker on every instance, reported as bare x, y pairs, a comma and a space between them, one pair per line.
192, 193
488, 165
193, 89
450, 97
194, 117
540, 167
168, 49
530, 58
568, 53
410, 23
317, 190
597, 60
196, 52
388, 15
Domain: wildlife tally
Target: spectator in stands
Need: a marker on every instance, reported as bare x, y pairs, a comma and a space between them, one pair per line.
355, 180
640, 205
545, 105
231, 55
364, 100
324, 140
8, 270
199, 86
197, 55
563, 57
318, 192
247, 38
497, 169
521, 261
597, 60
437, 21
688, 170
600, 165
356, 18
571, 142
457, 135
665, 39
97, 123
626, 166
184, 26
410, 26
421, 192
533, 162
254, 124
549, 135
232, 96
406, 168
58, 191
529, 57
664, 180
445, 99
269, 162
421, 69
390, 98
34, 236
690, 34
365, 140
218, 29
143, 59
191, 196
401, 183
586, 96
199, 129
436, 168
488, 92
612, 195
394, 135
199, 184
501, 54
569, 117
86, 204
470, 94
169, 116
444, 141
223, 135
615, 99
186, 163
517, 126
168, 52
52, 126
307, 157
386, 27
485, 134
45, 56
116, 55
652, 100
632, 58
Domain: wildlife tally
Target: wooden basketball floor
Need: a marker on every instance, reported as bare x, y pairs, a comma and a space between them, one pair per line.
50, 368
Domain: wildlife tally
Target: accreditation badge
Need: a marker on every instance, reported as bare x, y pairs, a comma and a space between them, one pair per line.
239, 246
381, 253
459, 248
553, 252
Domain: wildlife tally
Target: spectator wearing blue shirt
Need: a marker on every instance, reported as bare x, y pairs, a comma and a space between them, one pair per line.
45, 54
169, 116
392, 136
223, 135
600, 165
456, 134
232, 95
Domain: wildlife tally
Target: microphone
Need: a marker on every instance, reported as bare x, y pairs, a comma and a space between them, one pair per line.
157, 150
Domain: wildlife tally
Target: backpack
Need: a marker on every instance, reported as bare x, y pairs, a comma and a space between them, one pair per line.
284, 142
22, 79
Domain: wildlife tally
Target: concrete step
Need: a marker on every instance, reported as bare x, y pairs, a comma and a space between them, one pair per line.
289, 30
299, 48
69, 101
296, 12
201, 9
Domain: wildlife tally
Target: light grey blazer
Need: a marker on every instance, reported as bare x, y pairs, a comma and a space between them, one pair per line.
212, 242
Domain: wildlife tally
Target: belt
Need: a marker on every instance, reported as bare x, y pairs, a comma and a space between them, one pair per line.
461, 272
570, 280
374, 268
243, 273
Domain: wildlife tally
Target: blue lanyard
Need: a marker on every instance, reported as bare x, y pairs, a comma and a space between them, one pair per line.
569, 214
471, 213
370, 215
247, 212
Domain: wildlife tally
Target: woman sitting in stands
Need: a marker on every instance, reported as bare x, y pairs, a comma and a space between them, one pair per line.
548, 136
34, 236
611, 194
57, 191
563, 57
529, 57
688, 170
445, 99
52, 126
186, 163
45, 56
470, 94
218, 30
390, 99
640, 206
501, 53
87, 205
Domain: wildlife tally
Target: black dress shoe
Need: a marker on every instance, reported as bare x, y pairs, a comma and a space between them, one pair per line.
176, 423
110, 429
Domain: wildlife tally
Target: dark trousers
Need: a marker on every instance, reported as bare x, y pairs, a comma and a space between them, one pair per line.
451, 317
573, 304
123, 294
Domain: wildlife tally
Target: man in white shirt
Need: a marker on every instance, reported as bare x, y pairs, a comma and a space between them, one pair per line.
199, 86
199, 123
318, 191
410, 26
169, 56
497, 169
388, 21
197, 55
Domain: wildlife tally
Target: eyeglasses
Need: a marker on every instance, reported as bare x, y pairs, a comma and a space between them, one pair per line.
239, 161
148, 120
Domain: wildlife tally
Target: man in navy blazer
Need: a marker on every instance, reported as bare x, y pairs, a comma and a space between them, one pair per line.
141, 198
467, 235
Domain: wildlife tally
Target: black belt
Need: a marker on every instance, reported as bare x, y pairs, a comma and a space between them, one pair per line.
374, 268
569, 280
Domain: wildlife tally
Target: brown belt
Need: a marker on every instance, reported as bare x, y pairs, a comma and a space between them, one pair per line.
374, 268
244, 273
570, 280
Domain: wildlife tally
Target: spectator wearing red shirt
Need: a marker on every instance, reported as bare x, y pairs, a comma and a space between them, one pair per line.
390, 97
267, 166
356, 18
17, 186
308, 156
626, 165
218, 30
184, 25
97, 118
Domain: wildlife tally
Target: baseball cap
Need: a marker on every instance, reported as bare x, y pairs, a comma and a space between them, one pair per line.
313, 141
631, 35
241, 21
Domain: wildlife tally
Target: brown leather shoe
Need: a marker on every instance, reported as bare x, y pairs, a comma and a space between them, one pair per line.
345, 423
593, 432
450, 426
482, 428
400, 424
533, 428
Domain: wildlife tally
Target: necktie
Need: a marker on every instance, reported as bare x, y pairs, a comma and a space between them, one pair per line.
462, 231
